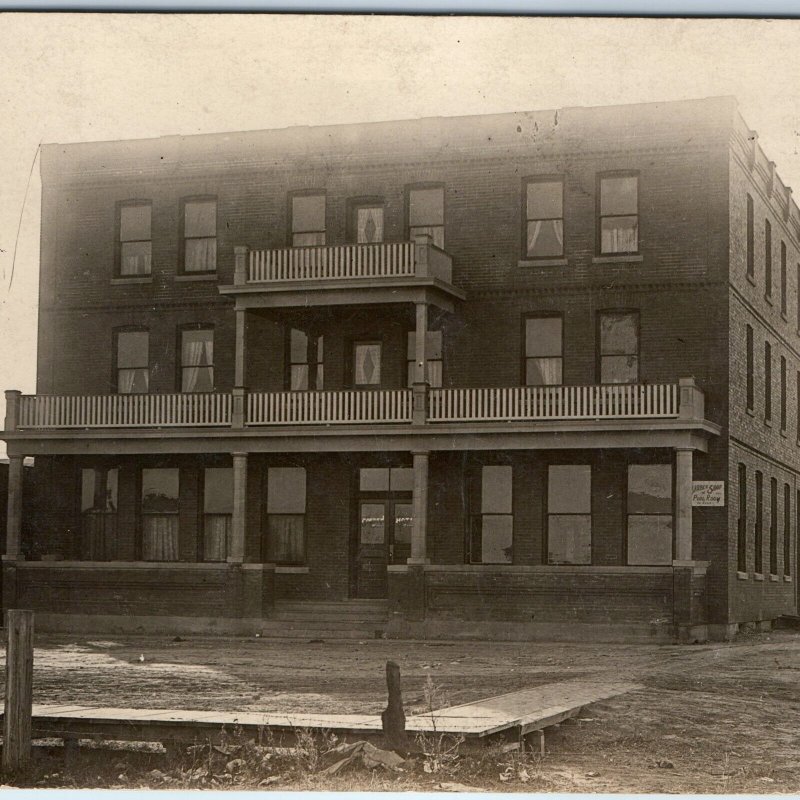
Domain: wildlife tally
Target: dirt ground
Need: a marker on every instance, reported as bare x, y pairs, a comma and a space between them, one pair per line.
716, 718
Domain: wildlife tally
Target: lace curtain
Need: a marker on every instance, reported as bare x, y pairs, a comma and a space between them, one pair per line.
160, 537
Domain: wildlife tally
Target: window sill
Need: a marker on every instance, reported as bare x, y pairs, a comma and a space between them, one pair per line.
543, 262
768, 423
126, 281
787, 578
750, 412
751, 280
212, 276
620, 259
291, 570
757, 576
784, 434
742, 576
774, 578
768, 298
784, 317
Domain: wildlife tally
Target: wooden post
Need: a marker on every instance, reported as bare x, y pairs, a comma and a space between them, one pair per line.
19, 690
393, 718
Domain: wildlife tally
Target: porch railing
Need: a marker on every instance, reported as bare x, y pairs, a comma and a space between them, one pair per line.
321, 408
553, 402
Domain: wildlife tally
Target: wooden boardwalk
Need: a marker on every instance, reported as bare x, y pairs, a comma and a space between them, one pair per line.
517, 713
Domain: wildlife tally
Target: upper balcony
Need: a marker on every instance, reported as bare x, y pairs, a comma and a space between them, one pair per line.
346, 274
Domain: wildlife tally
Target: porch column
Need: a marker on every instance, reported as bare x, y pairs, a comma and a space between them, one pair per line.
419, 533
240, 361
683, 504
420, 389
14, 517
239, 519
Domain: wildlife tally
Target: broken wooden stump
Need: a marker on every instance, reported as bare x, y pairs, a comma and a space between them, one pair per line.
394, 718
19, 690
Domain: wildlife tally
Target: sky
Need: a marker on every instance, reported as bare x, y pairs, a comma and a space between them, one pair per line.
85, 77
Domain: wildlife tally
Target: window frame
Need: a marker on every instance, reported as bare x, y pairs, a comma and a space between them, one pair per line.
787, 530
194, 326
773, 526
354, 205
315, 342
750, 367
110, 550
407, 226
767, 259
524, 349
635, 312
352, 363
141, 514
476, 514
290, 232
205, 515
411, 360
741, 523
599, 216
767, 382
525, 220
784, 279
670, 467
758, 531
548, 514
118, 242
783, 397
115, 368
267, 515
750, 239
188, 200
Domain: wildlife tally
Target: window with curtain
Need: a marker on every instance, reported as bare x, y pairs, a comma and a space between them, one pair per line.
619, 347
491, 516
306, 356
433, 352
197, 360
217, 512
569, 514
426, 213
200, 236
135, 244
544, 217
286, 512
159, 514
649, 514
544, 351
308, 220
367, 363
133, 365
99, 486
619, 214
368, 224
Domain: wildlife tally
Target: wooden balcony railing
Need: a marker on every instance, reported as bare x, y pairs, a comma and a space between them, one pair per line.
323, 408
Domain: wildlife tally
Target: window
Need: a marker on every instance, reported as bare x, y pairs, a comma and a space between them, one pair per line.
619, 347
200, 236
135, 245
797, 270
787, 529
797, 404
132, 367
286, 513
160, 507
750, 239
758, 539
741, 531
619, 214
784, 299
773, 527
544, 218
368, 223
197, 360
649, 514
99, 513
491, 516
217, 512
366, 363
308, 219
306, 370
433, 354
426, 213
767, 381
783, 393
750, 369
386, 479
569, 514
544, 351
767, 258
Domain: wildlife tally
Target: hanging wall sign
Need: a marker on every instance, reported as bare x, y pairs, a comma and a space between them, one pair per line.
708, 493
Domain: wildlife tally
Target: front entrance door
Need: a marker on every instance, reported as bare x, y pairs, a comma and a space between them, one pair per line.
384, 537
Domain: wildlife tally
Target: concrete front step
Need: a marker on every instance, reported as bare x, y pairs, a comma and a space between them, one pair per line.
348, 619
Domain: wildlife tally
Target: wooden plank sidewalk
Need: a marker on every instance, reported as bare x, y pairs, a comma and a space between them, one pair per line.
518, 712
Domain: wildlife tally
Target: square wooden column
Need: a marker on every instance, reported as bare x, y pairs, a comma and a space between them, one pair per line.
683, 504
14, 511
419, 532
239, 517
420, 387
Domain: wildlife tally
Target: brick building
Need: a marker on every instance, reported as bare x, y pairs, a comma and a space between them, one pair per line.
516, 376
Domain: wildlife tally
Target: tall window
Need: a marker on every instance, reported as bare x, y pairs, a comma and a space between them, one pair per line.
619, 214
741, 531
767, 258
132, 363
426, 213
368, 223
569, 514
750, 370
197, 360
160, 507
217, 512
544, 217
433, 356
767, 381
135, 238
649, 514
306, 355
797, 404
758, 538
797, 271
784, 298
491, 516
99, 513
751, 249
367, 363
787, 528
308, 219
783, 393
773, 527
200, 236
619, 347
286, 514
544, 351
